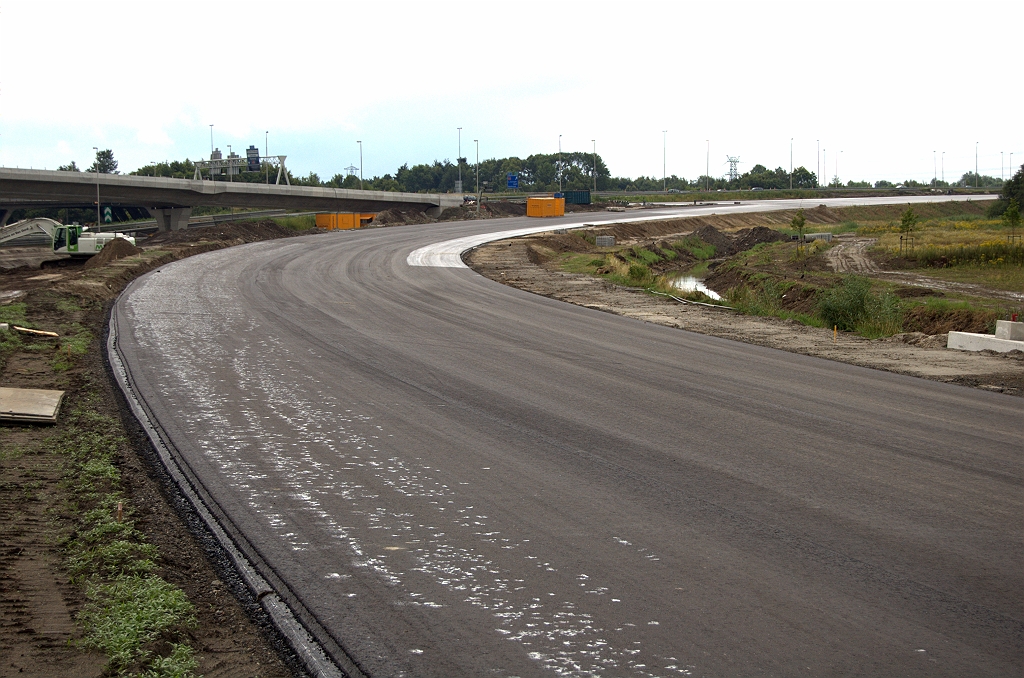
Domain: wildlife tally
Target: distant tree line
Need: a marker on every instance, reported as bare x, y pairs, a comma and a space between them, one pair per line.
537, 173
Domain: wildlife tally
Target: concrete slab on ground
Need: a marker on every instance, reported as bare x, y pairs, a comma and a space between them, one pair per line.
30, 405
970, 341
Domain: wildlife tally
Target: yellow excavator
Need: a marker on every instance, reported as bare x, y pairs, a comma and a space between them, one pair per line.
73, 239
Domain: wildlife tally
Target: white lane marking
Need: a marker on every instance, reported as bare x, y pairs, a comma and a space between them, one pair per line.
448, 254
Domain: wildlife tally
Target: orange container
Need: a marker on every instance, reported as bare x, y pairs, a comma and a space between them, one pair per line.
545, 207
342, 220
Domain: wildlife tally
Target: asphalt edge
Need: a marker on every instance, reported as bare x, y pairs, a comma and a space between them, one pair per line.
302, 641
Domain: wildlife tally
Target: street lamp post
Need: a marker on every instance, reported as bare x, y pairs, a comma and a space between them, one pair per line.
559, 163
459, 159
594, 141
360, 164
266, 153
707, 166
664, 147
478, 196
791, 163
976, 163
97, 163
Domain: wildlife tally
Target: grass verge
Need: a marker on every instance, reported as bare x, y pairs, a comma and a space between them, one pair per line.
132, 615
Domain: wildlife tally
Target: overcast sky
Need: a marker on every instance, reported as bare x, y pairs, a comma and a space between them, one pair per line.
881, 85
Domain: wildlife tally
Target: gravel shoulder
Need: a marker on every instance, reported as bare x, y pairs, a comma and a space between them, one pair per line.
509, 262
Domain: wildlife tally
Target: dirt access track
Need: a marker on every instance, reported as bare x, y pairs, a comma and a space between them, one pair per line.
514, 262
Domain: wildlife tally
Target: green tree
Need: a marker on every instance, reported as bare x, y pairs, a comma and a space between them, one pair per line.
1011, 217
104, 163
72, 167
799, 223
908, 221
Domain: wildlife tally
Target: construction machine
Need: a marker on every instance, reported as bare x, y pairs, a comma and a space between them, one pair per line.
73, 239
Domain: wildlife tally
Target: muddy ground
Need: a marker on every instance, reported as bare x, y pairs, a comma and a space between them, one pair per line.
38, 603
520, 262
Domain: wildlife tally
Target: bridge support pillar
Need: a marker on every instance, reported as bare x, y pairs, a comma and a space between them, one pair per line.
170, 218
4, 216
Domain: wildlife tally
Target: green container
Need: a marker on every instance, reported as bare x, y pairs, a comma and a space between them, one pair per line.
577, 197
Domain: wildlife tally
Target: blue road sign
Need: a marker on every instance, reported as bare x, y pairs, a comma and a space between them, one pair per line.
513, 180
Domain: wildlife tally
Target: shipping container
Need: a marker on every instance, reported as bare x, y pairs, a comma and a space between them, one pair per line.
342, 220
545, 207
577, 197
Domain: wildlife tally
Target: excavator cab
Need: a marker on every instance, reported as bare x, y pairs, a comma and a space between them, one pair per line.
60, 238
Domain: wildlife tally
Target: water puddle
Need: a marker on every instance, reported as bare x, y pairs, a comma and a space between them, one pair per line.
687, 283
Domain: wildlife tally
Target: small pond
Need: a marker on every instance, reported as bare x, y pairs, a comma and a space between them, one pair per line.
687, 283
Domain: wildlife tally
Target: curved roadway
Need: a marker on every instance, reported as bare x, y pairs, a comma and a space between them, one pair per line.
444, 476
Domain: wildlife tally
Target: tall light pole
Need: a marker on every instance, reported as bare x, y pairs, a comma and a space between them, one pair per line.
664, 147
477, 142
707, 166
266, 152
360, 164
97, 163
791, 163
594, 141
459, 159
976, 163
559, 163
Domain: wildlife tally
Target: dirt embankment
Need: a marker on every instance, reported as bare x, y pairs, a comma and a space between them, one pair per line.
38, 602
528, 263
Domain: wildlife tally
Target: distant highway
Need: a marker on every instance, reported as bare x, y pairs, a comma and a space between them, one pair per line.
444, 476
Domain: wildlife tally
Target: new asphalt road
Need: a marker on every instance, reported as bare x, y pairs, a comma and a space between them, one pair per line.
443, 476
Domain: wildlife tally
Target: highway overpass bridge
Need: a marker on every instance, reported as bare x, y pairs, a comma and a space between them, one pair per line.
170, 201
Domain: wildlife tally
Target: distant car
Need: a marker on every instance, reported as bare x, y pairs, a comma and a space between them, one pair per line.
674, 190
469, 200
757, 188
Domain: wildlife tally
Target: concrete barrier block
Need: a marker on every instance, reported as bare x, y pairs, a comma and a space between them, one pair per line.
1006, 329
969, 341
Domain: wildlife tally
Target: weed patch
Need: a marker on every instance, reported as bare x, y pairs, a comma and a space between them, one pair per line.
125, 614
302, 222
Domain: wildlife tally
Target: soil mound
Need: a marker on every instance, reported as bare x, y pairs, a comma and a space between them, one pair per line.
936, 321
748, 237
501, 208
712, 236
395, 216
118, 248
238, 231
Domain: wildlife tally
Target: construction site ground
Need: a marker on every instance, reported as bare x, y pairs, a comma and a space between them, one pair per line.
38, 601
